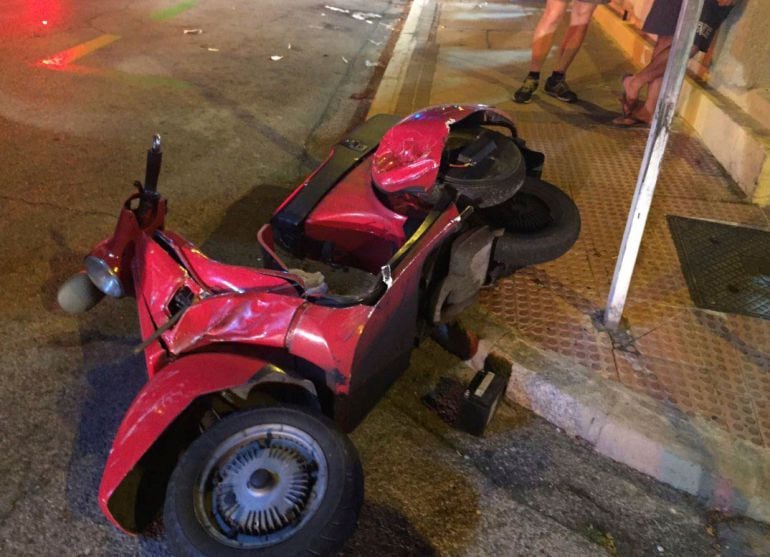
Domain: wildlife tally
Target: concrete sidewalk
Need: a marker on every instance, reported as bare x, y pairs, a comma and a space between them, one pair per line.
683, 396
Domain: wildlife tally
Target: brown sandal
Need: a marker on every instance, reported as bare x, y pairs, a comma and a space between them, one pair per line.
628, 121
628, 104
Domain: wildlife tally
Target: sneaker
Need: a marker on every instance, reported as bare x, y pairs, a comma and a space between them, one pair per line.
558, 88
524, 93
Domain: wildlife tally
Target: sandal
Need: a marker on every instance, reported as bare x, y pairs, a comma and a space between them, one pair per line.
628, 104
629, 121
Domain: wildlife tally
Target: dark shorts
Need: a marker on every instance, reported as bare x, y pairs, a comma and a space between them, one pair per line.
663, 15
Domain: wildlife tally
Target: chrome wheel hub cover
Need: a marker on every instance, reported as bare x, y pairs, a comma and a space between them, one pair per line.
263, 489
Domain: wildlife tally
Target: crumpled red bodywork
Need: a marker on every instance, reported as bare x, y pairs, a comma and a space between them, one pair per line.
364, 231
409, 156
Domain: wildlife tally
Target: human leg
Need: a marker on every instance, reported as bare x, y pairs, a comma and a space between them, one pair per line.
711, 18
580, 18
633, 83
544, 31
645, 111
541, 46
641, 114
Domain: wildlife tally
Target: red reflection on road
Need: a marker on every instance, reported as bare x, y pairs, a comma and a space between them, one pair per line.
24, 18
40, 16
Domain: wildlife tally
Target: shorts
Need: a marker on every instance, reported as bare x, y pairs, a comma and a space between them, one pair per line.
711, 18
664, 13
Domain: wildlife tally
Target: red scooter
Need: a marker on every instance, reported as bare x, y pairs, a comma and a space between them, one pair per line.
254, 374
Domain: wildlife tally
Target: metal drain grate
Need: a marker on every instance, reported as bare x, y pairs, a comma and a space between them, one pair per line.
727, 267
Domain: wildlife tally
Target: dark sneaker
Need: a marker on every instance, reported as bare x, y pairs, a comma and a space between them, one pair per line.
558, 88
524, 93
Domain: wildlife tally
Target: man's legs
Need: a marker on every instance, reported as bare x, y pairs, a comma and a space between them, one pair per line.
580, 18
544, 31
541, 46
573, 39
632, 84
645, 112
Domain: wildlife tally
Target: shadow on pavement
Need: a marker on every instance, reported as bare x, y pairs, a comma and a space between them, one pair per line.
234, 241
382, 530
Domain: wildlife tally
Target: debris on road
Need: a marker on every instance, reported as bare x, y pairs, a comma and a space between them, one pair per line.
212, 49
370, 64
275, 58
344, 59
360, 16
376, 43
366, 16
336, 9
193, 31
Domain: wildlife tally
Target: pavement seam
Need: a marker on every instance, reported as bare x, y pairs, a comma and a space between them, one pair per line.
55, 206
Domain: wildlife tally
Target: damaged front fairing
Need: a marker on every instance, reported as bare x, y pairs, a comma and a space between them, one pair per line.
224, 303
256, 318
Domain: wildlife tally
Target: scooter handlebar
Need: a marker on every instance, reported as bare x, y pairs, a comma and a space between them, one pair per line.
148, 194
154, 160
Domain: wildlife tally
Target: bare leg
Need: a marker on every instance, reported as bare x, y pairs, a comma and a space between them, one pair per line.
644, 112
655, 76
544, 30
652, 71
573, 39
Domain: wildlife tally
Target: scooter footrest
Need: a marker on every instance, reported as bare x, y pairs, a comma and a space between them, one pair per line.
480, 401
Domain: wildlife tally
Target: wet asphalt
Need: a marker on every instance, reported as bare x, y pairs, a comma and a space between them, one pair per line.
240, 130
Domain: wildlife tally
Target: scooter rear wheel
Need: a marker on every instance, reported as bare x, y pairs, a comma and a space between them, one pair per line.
265, 482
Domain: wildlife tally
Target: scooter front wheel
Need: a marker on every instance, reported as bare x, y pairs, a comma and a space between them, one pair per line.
271, 481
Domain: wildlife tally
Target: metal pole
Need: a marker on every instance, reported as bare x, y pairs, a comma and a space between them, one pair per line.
653, 155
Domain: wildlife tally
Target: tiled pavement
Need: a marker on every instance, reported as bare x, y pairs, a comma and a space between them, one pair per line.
704, 363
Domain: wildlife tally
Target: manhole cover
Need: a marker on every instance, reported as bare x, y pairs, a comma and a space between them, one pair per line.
727, 267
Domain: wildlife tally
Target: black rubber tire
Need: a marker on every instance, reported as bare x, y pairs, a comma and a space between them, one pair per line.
547, 233
325, 531
494, 181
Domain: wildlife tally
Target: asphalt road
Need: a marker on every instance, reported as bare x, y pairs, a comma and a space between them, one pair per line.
82, 88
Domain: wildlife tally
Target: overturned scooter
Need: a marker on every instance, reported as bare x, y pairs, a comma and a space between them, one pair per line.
255, 375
